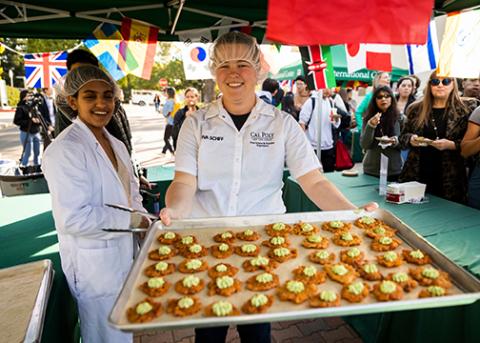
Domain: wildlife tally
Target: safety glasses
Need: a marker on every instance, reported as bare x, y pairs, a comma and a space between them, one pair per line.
436, 82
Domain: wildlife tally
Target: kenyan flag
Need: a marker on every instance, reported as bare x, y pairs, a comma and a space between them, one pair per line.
318, 66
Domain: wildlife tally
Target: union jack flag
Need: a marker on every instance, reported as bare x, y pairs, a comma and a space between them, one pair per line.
43, 70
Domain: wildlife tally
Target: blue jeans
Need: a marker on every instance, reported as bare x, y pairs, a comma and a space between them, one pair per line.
33, 139
474, 188
249, 333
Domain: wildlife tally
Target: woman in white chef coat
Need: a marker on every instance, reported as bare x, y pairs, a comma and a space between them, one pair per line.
231, 155
86, 168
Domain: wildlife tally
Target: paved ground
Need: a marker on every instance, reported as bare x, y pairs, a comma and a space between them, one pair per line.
328, 330
147, 129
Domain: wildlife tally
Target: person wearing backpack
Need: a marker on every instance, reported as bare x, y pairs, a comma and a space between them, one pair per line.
308, 122
191, 99
168, 113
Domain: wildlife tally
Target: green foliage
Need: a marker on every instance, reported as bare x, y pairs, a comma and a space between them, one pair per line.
13, 95
172, 71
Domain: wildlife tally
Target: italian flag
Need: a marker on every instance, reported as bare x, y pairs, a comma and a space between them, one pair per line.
318, 66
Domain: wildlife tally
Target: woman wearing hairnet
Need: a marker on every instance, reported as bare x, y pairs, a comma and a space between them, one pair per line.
231, 155
86, 168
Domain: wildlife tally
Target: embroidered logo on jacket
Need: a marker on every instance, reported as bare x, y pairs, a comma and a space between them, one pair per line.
262, 139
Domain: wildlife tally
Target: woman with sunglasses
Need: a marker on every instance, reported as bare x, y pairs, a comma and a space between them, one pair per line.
433, 130
380, 134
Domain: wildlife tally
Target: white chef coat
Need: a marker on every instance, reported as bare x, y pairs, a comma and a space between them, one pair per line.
81, 179
308, 115
240, 172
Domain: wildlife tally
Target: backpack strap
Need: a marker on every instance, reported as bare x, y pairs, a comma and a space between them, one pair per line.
311, 114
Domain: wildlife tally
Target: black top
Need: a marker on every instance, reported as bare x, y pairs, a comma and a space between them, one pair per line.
239, 119
23, 118
431, 158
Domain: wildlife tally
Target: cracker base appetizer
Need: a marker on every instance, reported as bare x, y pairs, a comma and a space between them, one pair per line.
144, 311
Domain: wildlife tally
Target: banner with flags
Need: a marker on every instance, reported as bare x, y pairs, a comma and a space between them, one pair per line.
195, 58
379, 57
306, 22
104, 43
460, 50
424, 57
43, 70
318, 66
369, 56
139, 44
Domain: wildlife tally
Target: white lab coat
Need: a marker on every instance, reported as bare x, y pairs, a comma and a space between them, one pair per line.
81, 179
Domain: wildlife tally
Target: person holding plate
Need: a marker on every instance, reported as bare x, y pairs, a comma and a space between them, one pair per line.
434, 128
380, 134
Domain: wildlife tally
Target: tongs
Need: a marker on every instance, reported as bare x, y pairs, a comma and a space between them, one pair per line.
132, 210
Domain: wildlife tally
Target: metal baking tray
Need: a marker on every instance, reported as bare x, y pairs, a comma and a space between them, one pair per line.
466, 288
35, 327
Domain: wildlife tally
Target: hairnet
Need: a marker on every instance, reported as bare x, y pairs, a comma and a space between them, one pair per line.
75, 80
234, 46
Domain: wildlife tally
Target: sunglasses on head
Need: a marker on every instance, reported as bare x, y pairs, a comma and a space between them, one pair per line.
383, 96
436, 82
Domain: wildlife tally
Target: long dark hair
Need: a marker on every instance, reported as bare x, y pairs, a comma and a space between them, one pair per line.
389, 117
288, 104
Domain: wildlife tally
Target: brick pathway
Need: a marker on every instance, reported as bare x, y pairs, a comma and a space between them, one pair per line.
327, 330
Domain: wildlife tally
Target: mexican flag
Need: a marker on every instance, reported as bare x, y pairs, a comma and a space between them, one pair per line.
318, 66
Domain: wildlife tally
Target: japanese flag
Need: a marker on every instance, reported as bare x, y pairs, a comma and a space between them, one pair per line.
356, 57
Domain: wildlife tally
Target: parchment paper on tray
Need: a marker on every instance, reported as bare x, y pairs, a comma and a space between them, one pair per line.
465, 290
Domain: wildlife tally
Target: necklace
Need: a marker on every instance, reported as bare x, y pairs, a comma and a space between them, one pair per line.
435, 126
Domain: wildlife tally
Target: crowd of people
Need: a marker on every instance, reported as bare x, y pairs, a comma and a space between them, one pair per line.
429, 136
432, 137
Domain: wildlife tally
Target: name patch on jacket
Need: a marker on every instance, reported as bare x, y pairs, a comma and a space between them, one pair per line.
262, 139
212, 138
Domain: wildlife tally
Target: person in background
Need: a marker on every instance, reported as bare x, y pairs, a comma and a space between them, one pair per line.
270, 88
416, 85
471, 88
248, 181
156, 102
277, 98
471, 149
382, 122
405, 94
288, 105
86, 168
50, 103
350, 100
381, 79
308, 122
191, 100
168, 108
441, 117
29, 125
302, 93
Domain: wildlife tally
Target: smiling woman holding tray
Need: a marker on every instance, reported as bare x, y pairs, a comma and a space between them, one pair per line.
231, 155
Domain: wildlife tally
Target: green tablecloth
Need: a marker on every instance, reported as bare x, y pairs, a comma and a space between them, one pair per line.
451, 227
27, 234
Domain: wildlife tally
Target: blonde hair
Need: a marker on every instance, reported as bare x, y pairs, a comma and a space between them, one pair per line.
193, 90
424, 106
